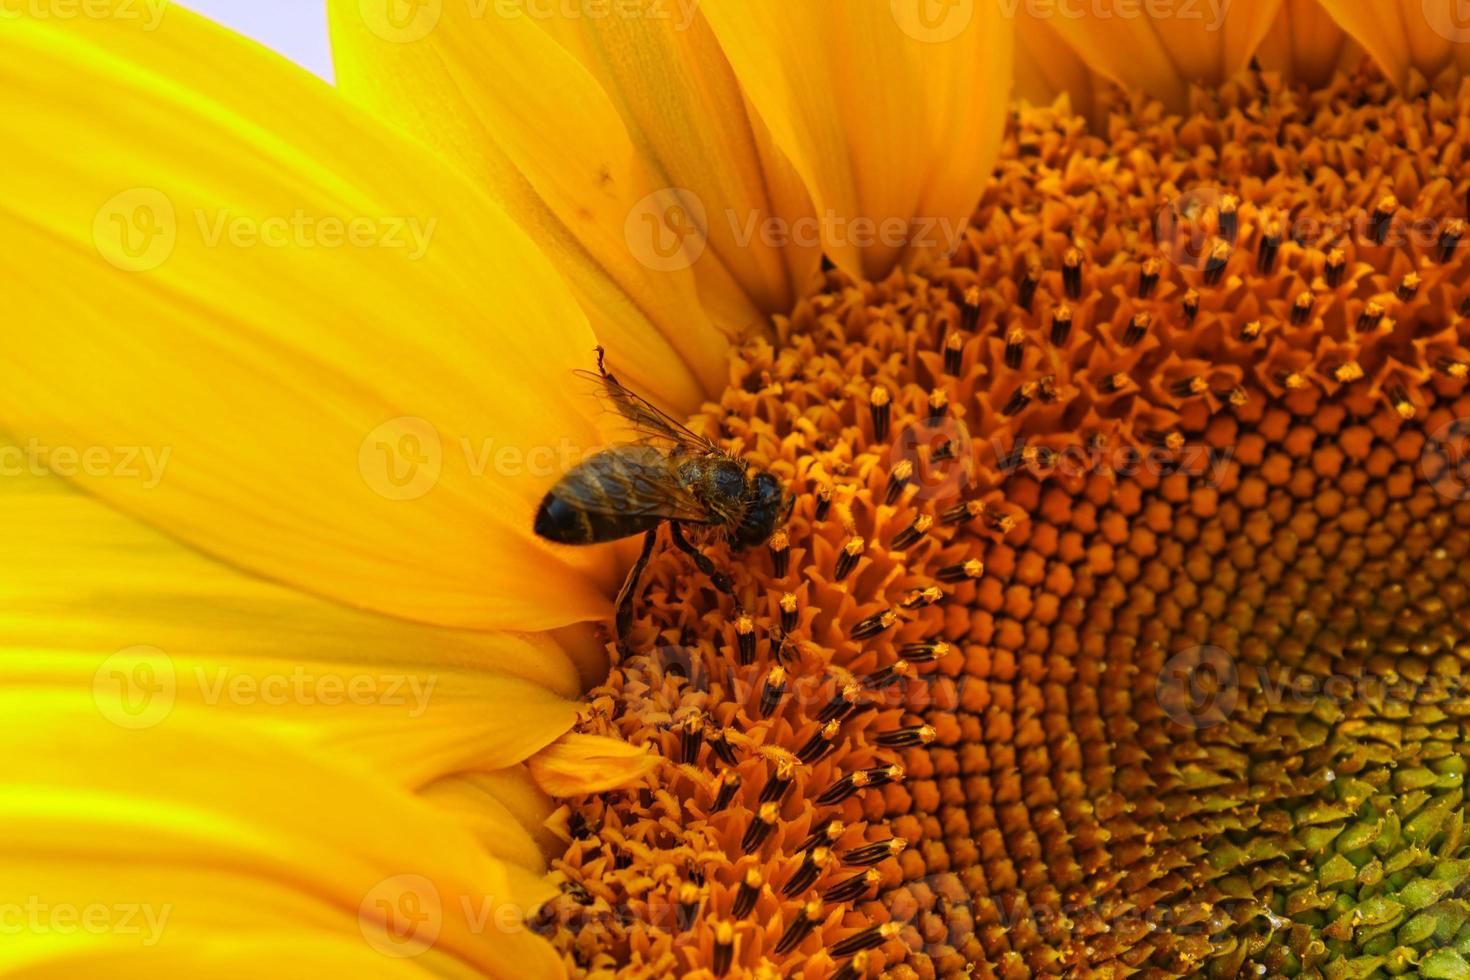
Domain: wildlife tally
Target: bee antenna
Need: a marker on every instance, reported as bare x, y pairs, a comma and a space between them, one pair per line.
601, 353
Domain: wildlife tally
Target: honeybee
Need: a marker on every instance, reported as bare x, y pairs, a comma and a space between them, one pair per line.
667, 474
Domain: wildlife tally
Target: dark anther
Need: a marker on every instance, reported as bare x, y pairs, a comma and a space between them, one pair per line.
903, 738
800, 927
871, 854
806, 875
1137, 329
873, 625
925, 651
824, 502
773, 691
961, 571
729, 786
898, 480
745, 896
914, 533
847, 558
879, 405
820, 743
1061, 325
1072, 274
760, 827
1148, 278
954, 354
745, 640
780, 554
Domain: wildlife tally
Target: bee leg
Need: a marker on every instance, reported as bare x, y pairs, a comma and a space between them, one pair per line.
629, 591
720, 579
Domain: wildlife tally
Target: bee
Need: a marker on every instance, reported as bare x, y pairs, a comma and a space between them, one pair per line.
668, 474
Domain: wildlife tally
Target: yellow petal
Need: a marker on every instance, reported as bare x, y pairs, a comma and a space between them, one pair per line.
181, 844
544, 137
1159, 49
891, 116
94, 602
575, 765
505, 810
1427, 36
1047, 68
252, 315
1306, 45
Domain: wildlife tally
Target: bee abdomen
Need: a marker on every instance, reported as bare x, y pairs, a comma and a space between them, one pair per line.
564, 523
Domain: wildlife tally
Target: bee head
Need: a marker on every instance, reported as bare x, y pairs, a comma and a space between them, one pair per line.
766, 509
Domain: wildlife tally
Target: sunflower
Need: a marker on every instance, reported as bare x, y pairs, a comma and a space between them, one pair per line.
1118, 625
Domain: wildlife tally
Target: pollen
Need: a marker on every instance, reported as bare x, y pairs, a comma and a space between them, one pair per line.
1145, 656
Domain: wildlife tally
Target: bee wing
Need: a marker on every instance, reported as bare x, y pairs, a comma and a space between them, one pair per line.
632, 481
646, 421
